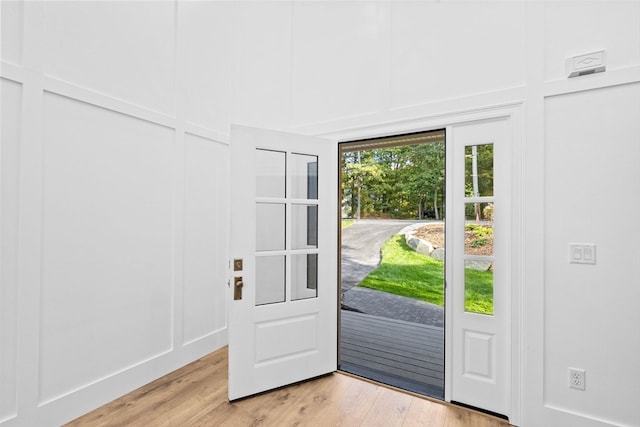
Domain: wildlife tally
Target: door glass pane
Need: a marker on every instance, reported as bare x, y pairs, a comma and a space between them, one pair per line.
478, 234
478, 291
304, 223
304, 176
304, 276
479, 212
270, 279
270, 226
270, 173
478, 170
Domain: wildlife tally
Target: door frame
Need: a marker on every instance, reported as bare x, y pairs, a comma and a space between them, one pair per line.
512, 113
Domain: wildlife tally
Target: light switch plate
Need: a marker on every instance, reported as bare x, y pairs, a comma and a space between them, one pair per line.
582, 253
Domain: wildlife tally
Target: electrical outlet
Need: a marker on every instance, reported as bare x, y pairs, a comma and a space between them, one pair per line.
576, 378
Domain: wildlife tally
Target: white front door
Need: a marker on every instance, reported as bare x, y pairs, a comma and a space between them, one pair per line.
283, 299
479, 188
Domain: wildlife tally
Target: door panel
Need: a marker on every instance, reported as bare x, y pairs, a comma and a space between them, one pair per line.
284, 228
480, 333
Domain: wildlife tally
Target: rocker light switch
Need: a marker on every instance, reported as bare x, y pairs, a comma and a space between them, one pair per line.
582, 253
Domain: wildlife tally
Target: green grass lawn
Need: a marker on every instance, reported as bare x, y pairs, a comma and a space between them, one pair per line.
408, 273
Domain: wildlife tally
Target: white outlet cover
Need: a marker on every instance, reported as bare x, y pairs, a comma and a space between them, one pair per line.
577, 378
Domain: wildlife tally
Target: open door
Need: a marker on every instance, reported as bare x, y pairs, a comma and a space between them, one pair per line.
283, 307
479, 200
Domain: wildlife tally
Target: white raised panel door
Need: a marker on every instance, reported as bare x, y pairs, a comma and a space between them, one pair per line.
284, 228
479, 195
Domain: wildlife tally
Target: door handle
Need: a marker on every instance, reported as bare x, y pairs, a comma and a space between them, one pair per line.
237, 288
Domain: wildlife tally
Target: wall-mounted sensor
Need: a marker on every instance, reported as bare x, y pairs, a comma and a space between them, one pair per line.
586, 64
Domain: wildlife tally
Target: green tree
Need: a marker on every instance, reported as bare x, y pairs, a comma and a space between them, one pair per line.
360, 171
398, 182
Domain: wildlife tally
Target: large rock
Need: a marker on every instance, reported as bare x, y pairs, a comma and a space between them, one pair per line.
427, 248
478, 265
418, 245
438, 254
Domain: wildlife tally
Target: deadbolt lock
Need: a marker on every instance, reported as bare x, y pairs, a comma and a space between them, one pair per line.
237, 288
237, 264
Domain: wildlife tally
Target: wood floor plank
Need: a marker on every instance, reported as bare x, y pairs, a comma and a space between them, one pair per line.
223, 414
266, 408
318, 396
351, 407
196, 395
424, 413
390, 409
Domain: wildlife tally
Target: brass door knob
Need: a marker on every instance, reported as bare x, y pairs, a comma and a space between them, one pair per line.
237, 288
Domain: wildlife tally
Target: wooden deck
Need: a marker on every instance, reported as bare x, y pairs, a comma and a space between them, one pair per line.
402, 354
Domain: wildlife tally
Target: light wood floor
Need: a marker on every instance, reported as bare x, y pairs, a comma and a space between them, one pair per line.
196, 395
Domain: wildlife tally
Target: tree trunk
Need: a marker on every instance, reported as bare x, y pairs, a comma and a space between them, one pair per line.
435, 204
359, 181
359, 200
474, 176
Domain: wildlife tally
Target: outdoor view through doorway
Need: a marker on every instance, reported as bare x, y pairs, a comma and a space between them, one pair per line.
392, 252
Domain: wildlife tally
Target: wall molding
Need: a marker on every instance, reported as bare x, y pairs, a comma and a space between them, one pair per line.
11, 72
70, 90
434, 114
427, 122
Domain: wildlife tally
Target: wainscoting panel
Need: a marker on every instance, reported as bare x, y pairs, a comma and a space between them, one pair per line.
594, 134
10, 139
11, 37
205, 286
338, 48
204, 39
122, 49
473, 60
106, 291
108, 280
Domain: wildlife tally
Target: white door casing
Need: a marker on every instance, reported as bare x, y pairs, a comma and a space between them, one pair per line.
480, 374
284, 329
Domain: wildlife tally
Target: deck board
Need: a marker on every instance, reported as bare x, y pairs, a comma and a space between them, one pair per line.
395, 352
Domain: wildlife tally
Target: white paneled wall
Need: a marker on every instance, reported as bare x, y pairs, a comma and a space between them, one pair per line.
12, 32
262, 64
115, 119
205, 57
106, 267
206, 183
114, 200
103, 46
340, 60
591, 310
444, 50
577, 28
11, 124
